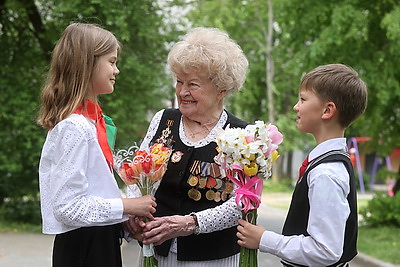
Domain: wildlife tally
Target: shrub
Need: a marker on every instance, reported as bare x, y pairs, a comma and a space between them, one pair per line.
382, 210
21, 209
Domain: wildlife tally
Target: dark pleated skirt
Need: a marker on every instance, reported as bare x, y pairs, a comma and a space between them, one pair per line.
98, 246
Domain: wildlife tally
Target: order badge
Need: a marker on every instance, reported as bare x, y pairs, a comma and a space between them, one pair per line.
176, 156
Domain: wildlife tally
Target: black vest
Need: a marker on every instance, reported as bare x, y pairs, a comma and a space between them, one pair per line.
172, 196
297, 218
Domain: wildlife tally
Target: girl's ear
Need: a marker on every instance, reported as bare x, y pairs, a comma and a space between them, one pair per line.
329, 111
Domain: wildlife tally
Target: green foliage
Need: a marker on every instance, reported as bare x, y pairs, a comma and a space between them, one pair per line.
383, 174
246, 23
21, 209
283, 185
28, 31
361, 33
382, 210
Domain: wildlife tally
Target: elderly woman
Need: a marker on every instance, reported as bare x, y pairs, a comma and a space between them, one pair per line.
196, 211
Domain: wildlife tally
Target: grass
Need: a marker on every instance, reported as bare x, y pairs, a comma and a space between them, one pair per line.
15, 227
382, 243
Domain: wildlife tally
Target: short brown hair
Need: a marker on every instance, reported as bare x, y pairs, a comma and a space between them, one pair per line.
341, 85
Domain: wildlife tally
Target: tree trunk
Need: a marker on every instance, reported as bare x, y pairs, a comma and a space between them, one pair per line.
270, 65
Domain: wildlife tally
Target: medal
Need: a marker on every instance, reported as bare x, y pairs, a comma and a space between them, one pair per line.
210, 195
196, 168
194, 194
193, 180
165, 133
229, 187
176, 156
202, 182
205, 169
224, 196
217, 197
219, 184
211, 183
215, 171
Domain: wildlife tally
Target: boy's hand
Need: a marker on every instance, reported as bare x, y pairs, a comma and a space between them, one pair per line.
249, 235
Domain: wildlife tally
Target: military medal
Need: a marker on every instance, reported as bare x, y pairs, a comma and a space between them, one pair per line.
202, 182
176, 156
165, 133
193, 180
229, 187
217, 197
224, 196
196, 168
219, 184
194, 194
210, 194
211, 183
215, 171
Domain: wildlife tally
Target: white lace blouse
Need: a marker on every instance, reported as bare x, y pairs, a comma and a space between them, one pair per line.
77, 188
209, 220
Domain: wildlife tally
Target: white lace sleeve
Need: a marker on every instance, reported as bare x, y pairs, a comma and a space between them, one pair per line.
151, 131
220, 217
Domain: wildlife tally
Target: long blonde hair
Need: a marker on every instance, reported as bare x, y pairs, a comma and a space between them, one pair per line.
73, 60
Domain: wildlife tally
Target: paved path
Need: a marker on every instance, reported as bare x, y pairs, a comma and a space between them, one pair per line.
34, 250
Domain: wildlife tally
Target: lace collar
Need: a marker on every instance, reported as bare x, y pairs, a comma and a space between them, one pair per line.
206, 140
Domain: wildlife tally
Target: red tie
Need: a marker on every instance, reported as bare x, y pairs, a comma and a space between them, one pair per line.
303, 168
94, 112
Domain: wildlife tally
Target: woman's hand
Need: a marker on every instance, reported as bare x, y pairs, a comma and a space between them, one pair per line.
249, 234
164, 228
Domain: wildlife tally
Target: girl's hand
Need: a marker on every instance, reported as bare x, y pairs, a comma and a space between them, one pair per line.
141, 206
249, 234
164, 228
134, 226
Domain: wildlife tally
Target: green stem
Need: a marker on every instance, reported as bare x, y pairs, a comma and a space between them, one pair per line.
248, 257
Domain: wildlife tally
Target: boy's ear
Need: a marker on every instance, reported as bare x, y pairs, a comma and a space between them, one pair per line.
329, 111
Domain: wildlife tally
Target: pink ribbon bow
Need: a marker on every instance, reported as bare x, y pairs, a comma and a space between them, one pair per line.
249, 189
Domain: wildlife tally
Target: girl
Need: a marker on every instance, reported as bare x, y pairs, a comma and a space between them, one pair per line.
80, 200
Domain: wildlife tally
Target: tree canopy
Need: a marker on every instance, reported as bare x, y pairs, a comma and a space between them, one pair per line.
29, 30
364, 34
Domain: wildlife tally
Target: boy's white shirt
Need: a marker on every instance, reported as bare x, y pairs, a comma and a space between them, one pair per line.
328, 190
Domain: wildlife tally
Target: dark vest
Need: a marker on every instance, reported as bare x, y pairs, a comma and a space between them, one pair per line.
173, 199
297, 218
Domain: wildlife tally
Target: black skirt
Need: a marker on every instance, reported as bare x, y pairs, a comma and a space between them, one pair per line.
98, 246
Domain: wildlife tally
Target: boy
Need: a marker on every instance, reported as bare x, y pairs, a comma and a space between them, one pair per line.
321, 225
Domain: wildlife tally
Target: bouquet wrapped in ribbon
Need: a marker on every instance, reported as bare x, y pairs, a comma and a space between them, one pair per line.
145, 169
246, 156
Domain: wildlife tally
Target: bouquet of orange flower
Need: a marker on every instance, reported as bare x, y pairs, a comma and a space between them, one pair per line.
246, 157
145, 169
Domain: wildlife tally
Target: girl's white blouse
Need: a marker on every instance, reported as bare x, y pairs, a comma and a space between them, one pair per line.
77, 188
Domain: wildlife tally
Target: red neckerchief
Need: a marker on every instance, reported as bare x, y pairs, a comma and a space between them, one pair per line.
94, 112
303, 168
